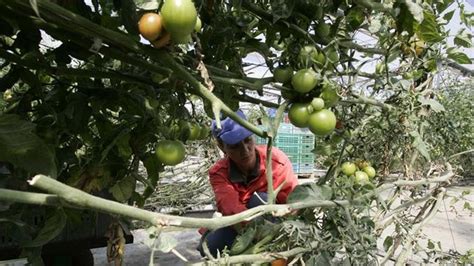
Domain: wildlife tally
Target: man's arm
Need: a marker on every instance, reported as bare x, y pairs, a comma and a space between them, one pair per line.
283, 172
227, 198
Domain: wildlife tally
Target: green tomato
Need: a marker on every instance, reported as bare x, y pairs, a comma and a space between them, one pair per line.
348, 168
170, 152
323, 29
198, 26
361, 178
299, 114
283, 73
370, 171
322, 122
195, 131
317, 103
179, 18
304, 80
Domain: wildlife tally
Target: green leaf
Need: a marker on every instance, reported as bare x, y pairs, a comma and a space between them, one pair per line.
282, 9
434, 104
34, 6
147, 4
428, 29
129, 16
430, 65
310, 192
463, 39
124, 188
387, 243
459, 57
166, 243
243, 240
153, 167
405, 20
53, 226
123, 146
420, 145
355, 17
467, 206
322, 259
448, 16
430, 244
19, 146
415, 9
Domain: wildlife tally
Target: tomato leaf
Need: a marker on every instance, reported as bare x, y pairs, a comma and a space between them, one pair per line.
53, 226
463, 39
448, 16
129, 16
282, 9
405, 20
430, 244
123, 189
459, 57
147, 4
355, 17
166, 243
415, 9
428, 30
242, 241
322, 259
21, 147
311, 192
420, 145
387, 243
434, 104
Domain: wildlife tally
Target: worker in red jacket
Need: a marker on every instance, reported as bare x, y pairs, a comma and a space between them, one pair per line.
239, 179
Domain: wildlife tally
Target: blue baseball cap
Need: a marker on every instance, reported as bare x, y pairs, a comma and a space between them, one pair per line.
231, 132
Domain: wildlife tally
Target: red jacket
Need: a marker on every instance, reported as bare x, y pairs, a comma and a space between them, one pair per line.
232, 196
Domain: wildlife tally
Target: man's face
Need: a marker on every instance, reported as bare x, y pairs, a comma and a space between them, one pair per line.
243, 153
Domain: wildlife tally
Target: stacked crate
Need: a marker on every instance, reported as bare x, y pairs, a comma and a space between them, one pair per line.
297, 144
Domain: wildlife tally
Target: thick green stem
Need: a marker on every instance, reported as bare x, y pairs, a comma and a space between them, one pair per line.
202, 90
272, 194
365, 100
29, 197
246, 98
79, 199
238, 82
74, 72
261, 257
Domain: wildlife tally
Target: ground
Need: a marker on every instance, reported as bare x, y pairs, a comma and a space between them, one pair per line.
453, 230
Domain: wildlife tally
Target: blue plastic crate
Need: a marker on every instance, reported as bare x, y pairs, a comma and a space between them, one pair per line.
306, 158
307, 139
304, 168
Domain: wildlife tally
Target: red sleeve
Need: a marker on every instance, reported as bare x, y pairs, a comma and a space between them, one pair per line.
284, 172
227, 198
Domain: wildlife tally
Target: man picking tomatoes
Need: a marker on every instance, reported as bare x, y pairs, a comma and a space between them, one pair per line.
239, 179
